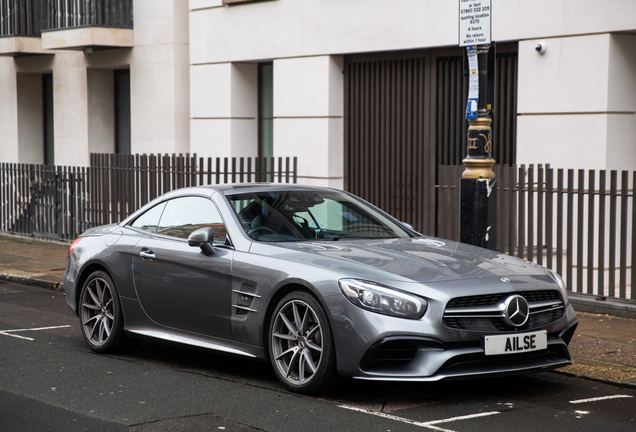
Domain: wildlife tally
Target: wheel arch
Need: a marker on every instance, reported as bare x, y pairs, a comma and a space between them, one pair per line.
282, 291
88, 270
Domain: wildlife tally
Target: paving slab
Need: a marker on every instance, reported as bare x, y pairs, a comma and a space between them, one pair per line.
32, 261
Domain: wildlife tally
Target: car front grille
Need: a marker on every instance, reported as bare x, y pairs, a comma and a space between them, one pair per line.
485, 312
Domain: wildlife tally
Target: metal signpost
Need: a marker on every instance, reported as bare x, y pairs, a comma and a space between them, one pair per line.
478, 185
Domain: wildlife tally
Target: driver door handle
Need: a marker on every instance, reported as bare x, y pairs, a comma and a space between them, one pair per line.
147, 255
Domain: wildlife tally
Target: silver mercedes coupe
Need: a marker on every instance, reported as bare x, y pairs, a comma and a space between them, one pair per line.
318, 282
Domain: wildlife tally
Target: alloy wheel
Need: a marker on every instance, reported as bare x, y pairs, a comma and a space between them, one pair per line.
97, 313
297, 342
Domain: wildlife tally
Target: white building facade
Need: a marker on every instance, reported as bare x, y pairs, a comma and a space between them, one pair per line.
245, 78
576, 103
118, 83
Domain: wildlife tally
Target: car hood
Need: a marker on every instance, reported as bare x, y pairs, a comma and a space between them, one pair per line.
422, 260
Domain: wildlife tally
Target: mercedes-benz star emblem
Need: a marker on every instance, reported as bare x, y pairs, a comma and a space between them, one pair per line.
516, 311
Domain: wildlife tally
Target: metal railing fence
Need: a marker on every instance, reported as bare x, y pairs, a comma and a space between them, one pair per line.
31, 17
20, 17
61, 202
63, 14
579, 223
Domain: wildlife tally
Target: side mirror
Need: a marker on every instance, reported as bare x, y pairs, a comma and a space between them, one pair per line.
408, 225
202, 238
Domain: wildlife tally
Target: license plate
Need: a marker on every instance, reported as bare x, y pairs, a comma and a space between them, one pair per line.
515, 343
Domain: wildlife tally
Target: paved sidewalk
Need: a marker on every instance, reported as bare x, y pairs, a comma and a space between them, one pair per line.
33, 262
603, 347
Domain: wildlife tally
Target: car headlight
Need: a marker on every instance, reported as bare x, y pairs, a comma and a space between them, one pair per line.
561, 283
382, 299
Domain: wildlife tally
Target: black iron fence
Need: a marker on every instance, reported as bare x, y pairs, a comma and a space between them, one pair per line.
30, 17
61, 14
578, 222
62, 202
20, 17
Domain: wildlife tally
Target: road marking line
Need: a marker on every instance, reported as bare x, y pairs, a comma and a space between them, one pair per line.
16, 336
599, 399
429, 424
9, 332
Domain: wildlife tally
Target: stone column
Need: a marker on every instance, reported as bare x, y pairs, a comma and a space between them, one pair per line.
8, 111
70, 109
308, 117
224, 110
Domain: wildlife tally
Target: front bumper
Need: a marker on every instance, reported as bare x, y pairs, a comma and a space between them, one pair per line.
376, 347
70, 286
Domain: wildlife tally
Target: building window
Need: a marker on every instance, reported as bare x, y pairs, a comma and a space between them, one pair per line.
47, 104
122, 112
265, 110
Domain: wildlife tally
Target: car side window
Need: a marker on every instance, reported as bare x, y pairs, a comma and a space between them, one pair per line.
150, 219
183, 216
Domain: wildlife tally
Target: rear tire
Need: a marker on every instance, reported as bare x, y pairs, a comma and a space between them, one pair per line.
301, 345
100, 314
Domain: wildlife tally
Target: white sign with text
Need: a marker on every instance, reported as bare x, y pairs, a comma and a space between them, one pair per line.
474, 22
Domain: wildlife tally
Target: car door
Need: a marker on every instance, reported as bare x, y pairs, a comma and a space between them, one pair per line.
177, 285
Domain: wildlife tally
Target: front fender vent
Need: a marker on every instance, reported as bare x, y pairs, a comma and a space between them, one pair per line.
244, 299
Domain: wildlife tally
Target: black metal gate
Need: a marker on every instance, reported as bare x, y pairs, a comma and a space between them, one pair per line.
405, 118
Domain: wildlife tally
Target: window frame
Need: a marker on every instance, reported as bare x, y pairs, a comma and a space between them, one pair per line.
228, 241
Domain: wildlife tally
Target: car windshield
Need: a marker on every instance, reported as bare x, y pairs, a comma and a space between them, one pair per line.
312, 214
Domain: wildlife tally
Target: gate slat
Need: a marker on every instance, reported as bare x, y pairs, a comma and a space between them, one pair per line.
612, 234
601, 231
590, 231
623, 234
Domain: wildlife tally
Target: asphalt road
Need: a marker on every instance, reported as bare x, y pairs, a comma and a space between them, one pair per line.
50, 381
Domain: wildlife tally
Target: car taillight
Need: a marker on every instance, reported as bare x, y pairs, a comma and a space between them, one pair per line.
70, 249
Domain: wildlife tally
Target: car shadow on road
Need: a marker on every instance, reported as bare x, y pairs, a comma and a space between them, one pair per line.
370, 395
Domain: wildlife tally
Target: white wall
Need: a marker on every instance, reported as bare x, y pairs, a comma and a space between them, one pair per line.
308, 117
577, 102
9, 149
159, 78
621, 136
70, 109
518, 19
224, 110
295, 28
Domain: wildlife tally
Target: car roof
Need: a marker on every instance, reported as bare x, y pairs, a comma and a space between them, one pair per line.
239, 188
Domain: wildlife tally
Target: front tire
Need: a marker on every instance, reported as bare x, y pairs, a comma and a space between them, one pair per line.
100, 314
301, 345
